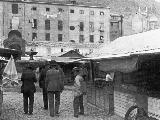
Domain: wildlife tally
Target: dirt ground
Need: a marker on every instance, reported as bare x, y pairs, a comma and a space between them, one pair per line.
13, 108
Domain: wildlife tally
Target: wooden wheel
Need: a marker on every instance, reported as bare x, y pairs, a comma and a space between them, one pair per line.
136, 113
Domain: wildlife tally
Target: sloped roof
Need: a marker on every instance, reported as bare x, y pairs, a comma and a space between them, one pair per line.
72, 54
146, 42
65, 59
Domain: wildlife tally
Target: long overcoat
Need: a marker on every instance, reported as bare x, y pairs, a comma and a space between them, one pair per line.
54, 80
28, 78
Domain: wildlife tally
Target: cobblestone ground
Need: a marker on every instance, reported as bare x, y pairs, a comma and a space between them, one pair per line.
13, 108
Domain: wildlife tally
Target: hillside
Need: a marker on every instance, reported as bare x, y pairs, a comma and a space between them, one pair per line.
124, 7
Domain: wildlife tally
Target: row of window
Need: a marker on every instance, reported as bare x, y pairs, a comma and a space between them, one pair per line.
47, 37
47, 9
15, 10
47, 24
60, 37
60, 25
91, 12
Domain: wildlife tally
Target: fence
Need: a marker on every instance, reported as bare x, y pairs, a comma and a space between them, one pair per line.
100, 98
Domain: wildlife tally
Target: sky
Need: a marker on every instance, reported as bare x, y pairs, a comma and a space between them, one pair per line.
157, 0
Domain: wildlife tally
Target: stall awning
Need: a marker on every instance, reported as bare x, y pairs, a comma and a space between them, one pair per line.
124, 64
128, 63
65, 59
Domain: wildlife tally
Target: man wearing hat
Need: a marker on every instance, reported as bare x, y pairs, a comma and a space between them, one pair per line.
42, 78
54, 84
28, 88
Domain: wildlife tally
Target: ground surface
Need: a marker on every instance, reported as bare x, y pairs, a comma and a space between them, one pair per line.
13, 108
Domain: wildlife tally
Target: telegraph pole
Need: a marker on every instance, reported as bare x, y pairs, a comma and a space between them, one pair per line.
3, 17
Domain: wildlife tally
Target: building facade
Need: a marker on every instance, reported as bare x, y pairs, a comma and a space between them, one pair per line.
47, 22
116, 26
142, 21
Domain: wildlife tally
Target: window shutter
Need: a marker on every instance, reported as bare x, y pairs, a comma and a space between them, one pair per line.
60, 37
60, 25
15, 8
47, 24
47, 36
81, 26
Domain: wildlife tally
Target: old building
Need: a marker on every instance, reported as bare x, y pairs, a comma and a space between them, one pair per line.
45, 23
116, 26
143, 21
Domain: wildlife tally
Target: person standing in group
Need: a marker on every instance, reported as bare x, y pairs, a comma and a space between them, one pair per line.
84, 71
78, 93
42, 78
28, 88
55, 86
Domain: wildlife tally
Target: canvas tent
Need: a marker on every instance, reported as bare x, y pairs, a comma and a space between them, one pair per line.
67, 57
124, 53
138, 43
135, 61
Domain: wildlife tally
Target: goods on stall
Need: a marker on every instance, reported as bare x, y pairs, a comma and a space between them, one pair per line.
10, 76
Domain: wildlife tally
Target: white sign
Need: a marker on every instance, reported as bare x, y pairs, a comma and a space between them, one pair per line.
15, 23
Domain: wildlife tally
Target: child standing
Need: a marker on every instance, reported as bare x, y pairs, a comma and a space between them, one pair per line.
78, 94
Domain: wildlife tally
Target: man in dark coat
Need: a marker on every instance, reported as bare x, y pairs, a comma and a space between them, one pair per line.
28, 89
42, 84
54, 84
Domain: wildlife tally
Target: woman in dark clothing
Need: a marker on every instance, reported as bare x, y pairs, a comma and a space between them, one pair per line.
28, 89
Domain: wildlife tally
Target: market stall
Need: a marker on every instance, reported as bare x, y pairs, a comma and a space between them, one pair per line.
135, 62
68, 60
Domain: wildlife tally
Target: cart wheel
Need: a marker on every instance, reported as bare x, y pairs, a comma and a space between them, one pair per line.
136, 113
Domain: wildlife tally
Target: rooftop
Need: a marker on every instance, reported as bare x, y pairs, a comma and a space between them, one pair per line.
63, 3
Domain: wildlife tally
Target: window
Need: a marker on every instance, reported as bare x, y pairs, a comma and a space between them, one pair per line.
81, 38
47, 24
115, 25
72, 27
81, 26
71, 11
60, 10
60, 25
59, 37
91, 26
47, 36
34, 8
101, 28
15, 8
91, 12
101, 13
91, 38
34, 36
47, 9
101, 38
73, 41
81, 11
111, 24
34, 24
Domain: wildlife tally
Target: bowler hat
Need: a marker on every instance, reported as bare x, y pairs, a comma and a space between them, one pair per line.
53, 62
